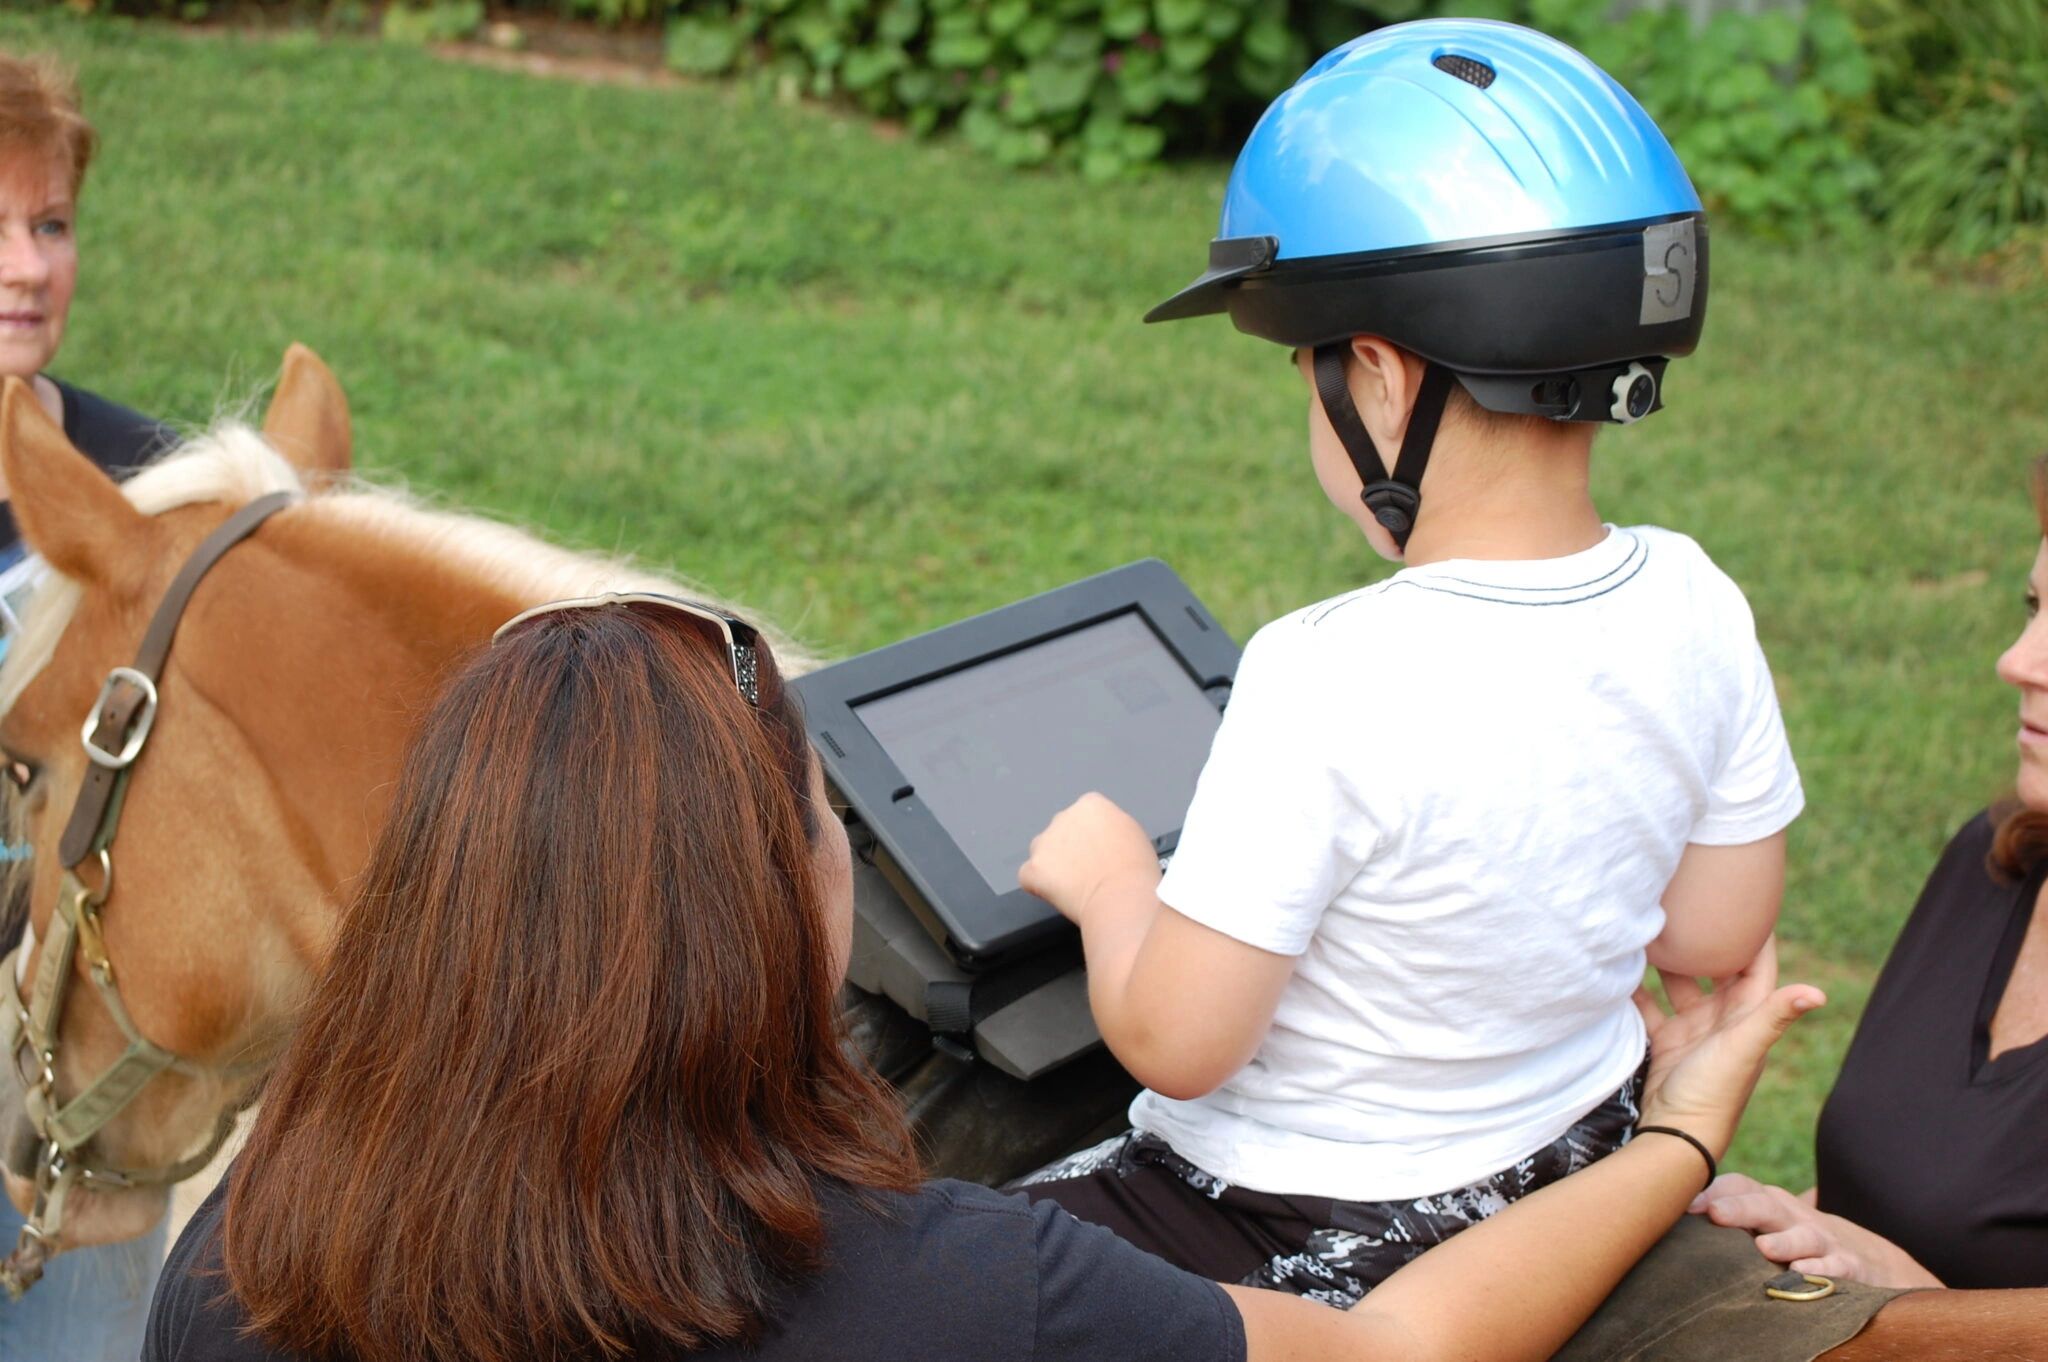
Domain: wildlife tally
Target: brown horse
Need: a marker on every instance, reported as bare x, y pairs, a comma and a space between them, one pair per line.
285, 702
298, 668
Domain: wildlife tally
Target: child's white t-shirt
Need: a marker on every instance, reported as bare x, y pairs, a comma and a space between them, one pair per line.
1457, 796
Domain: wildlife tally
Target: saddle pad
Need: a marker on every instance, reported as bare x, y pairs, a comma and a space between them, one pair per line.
1698, 1296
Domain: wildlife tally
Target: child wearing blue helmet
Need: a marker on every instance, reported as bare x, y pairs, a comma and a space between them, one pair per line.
1386, 986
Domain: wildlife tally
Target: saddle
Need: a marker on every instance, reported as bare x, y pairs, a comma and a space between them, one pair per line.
1700, 1296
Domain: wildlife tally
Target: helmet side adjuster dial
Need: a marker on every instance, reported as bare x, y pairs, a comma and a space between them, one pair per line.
1635, 395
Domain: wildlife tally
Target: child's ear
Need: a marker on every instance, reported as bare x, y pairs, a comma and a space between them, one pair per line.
1385, 380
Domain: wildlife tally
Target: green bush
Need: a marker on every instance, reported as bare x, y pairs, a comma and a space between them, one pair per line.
1759, 106
1099, 83
432, 21
1763, 109
1963, 141
1929, 117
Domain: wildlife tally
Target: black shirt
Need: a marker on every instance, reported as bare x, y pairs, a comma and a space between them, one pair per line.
1924, 1140
112, 436
951, 1273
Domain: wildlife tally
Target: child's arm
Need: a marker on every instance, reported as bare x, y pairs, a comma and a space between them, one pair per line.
1720, 905
1181, 1006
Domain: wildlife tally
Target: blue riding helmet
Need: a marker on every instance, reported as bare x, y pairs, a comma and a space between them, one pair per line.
1477, 193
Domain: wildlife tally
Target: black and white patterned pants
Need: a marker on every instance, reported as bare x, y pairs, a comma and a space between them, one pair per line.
1326, 1250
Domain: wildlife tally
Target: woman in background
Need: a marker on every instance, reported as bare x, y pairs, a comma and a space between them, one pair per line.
92, 1302
1933, 1147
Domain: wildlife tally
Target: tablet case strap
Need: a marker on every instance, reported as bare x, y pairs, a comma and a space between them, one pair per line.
952, 1007
949, 1008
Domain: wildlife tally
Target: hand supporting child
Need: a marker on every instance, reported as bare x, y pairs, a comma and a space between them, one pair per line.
1181, 1006
1792, 1230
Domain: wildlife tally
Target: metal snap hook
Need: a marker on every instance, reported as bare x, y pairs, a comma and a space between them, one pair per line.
91, 896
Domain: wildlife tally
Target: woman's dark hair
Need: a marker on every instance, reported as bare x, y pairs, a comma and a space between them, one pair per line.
2021, 842
574, 1073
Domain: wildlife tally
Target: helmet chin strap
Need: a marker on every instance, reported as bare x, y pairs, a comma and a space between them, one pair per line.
1395, 500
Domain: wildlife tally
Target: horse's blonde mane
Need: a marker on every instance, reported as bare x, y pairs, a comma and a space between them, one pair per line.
233, 463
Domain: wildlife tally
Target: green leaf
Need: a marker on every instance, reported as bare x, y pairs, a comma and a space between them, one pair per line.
1223, 20
1142, 142
1188, 52
1007, 16
982, 127
1142, 94
1101, 164
1124, 20
1179, 16
1062, 87
1777, 38
899, 21
1077, 43
1037, 36
867, 67
963, 50
702, 47
915, 87
1269, 42
1023, 147
1183, 87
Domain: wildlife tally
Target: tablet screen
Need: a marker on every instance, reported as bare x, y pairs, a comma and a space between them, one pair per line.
996, 749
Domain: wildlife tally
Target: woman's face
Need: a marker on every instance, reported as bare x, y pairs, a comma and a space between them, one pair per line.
2025, 666
835, 873
38, 263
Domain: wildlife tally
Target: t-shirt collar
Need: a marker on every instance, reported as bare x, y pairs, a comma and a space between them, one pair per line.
1575, 576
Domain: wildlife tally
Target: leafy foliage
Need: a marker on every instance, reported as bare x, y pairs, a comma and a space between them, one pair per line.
1761, 108
1928, 118
1964, 139
1103, 84
434, 21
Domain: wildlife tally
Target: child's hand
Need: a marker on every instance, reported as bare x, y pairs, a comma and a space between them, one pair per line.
1088, 844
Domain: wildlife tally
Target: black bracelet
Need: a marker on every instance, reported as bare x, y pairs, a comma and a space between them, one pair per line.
1713, 1169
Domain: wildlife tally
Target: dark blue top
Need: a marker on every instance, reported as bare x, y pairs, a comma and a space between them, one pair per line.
1925, 1139
112, 436
950, 1273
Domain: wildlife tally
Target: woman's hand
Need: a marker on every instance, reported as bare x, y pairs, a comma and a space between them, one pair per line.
1706, 1056
1790, 1230
1088, 845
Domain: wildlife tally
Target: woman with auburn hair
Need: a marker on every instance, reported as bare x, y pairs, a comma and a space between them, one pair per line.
1932, 1151
46, 145
574, 1085
92, 1302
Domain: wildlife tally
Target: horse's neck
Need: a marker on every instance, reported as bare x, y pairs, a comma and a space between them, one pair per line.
335, 643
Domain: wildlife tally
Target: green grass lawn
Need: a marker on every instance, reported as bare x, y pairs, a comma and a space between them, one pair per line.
870, 385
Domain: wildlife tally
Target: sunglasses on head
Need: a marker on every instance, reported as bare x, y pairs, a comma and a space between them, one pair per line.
741, 641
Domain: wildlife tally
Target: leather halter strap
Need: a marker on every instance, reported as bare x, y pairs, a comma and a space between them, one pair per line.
127, 703
114, 734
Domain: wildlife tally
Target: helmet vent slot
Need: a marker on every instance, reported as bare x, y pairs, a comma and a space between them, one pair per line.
1466, 69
